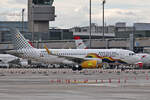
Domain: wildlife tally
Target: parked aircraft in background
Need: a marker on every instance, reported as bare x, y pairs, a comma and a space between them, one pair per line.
145, 59
79, 43
7, 59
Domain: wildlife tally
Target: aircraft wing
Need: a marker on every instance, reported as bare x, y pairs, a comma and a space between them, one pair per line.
74, 59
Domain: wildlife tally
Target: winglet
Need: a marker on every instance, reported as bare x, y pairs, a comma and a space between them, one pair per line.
47, 49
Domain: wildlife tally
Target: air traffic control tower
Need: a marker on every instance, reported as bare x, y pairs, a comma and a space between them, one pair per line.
40, 12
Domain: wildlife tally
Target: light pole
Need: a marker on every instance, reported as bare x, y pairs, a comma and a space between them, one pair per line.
32, 15
23, 20
90, 23
103, 3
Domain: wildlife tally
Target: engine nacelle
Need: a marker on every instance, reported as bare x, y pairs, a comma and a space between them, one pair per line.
91, 64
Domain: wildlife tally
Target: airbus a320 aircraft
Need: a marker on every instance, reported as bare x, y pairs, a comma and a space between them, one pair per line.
79, 58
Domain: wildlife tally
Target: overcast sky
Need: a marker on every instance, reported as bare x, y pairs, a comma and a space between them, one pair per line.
72, 13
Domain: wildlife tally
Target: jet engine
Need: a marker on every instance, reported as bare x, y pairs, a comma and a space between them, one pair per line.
91, 63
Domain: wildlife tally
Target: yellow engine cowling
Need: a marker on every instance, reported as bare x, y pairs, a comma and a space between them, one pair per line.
89, 64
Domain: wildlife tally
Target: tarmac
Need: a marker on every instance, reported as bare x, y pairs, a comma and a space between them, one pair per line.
64, 84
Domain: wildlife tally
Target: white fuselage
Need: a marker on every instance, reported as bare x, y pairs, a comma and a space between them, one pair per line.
58, 56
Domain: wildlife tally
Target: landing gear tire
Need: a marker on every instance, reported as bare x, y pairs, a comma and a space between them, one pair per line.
79, 68
74, 68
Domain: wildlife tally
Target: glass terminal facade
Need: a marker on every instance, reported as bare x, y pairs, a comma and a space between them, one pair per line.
43, 2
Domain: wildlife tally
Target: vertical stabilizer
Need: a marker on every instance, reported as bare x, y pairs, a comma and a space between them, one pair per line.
18, 40
79, 43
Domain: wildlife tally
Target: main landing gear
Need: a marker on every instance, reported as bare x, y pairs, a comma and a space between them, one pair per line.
76, 67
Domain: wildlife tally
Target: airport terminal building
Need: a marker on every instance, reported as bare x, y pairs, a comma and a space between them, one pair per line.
52, 34
120, 30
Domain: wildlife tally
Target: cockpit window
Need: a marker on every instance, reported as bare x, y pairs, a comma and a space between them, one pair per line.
131, 54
